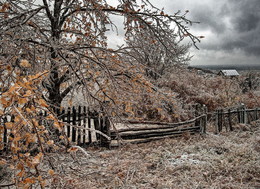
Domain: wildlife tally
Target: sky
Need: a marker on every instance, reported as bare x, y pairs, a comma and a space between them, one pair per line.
231, 29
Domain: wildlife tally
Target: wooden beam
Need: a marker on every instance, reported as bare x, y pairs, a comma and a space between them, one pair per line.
154, 133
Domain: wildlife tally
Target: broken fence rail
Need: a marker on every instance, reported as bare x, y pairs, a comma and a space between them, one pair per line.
160, 130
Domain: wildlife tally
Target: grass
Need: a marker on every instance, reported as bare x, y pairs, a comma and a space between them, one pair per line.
228, 160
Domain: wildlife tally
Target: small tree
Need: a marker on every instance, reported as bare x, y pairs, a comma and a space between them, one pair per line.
158, 51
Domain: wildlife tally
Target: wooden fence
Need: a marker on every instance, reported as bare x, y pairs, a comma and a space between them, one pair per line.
82, 126
227, 118
157, 130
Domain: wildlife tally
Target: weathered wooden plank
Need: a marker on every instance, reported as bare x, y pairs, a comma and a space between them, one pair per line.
89, 126
147, 130
230, 121
203, 124
79, 123
163, 123
74, 118
145, 140
154, 133
84, 124
68, 121
97, 124
151, 128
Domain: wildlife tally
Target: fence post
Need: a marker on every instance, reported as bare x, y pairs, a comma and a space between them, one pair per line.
62, 115
256, 113
68, 121
249, 118
238, 115
205, 109
73, 139
217, 124
220, 121
229, 120
244, 115
89, 126
105, 128
96, 118
223, 120
203, 122
197, 122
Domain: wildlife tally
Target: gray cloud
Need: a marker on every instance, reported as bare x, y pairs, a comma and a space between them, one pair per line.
235, 24
230, 45
231, 28
207, 19
254, 49
246, 16
247, 22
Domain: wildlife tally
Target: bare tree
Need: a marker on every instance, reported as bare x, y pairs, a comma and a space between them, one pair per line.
158, 54
68, 38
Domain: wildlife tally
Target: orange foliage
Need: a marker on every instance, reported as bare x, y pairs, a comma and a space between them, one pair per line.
23, 102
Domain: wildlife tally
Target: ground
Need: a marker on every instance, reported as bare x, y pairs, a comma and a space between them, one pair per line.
227, 160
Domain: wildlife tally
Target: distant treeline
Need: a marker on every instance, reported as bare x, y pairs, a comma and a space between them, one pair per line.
223, 67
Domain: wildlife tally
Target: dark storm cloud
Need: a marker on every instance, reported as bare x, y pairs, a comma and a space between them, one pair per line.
245, 23
254, 49
231, 29
234, 45
247, 15
249, 41
235, 24
207, 19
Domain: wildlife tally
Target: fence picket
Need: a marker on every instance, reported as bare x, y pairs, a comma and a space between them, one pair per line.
80, 117
89, 126
229, 120
68, 121
74, 118
84, 124
238, 115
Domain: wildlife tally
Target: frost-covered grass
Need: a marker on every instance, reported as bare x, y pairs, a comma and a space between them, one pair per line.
228, 160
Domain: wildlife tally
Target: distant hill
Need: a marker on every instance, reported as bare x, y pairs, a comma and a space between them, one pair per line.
203, 69
223, 67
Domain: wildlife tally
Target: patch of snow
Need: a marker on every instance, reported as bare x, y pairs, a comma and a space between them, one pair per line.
185, 159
